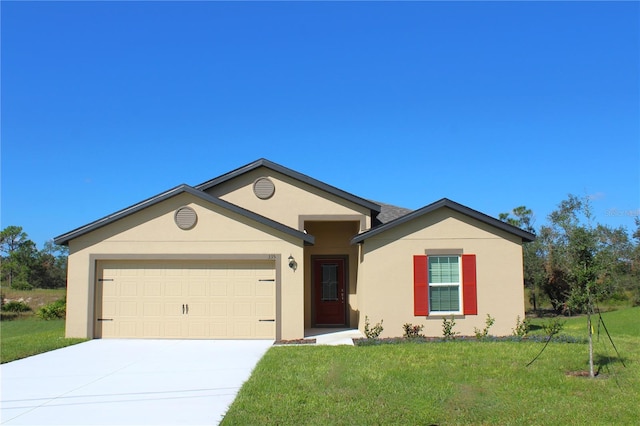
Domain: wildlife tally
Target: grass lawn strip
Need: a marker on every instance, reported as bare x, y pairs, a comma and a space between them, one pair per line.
30, 336
463, 382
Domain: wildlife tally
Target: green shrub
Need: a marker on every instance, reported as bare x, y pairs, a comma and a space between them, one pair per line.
412, 331
522, 327
57, 309
372, 333
15, 306
481, 334
21, 285
447, 328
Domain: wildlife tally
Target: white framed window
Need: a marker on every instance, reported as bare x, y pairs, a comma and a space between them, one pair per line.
445, 289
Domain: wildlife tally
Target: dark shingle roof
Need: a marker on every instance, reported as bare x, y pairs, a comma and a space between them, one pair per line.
389, 212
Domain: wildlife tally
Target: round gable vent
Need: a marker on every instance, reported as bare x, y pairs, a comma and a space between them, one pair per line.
185, 218
263, 188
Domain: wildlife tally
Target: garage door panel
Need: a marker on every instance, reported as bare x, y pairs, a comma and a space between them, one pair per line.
219, 289
198, 272
265, 289
224, 299
265, 309
154, 270
242, 288
172, 310
172, 272
152, 309
265, 330
172, 328
127, 272
197, 288
109, 288
242, 329
126, 328
127, 289
152, 329
174, 289
127, 309
197, 329
152, 289
242, 309
107, 329
218, 329
198, 310
218, 309
109, 309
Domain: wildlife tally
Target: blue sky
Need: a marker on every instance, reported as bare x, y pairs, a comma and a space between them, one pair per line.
491, 104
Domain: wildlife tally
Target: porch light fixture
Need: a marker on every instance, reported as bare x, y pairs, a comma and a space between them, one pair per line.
292, 263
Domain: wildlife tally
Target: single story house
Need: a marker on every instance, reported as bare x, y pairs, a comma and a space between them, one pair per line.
265, 252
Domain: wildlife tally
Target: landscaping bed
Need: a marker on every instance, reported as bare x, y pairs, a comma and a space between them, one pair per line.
294, 342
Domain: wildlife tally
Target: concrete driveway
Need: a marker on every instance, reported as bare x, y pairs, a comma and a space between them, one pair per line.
128, 382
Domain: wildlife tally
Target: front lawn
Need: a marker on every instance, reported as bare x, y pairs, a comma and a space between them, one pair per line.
21, 338
464, 382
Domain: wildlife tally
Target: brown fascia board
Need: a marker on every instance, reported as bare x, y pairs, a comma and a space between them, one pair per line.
65, 238
292, 174
526, 236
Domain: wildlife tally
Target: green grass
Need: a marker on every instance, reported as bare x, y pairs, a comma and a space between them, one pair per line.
21, 338
621, 323
464, 382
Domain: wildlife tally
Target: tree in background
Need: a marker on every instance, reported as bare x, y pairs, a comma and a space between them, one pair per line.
571, 250
50, 269
532, 252
634, 265
23, 267
17, 252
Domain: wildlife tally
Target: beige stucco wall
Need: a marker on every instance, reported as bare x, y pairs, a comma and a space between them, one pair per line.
385, 276
152, 234
292, 201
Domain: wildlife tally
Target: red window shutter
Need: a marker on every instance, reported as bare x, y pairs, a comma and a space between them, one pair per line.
420, 286
469, 287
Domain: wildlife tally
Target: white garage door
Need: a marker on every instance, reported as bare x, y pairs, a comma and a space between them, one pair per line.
186, 299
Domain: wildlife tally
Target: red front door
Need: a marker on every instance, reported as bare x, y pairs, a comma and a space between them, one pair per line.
329, 281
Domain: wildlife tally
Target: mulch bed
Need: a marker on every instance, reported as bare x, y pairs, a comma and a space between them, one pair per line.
295, 342
582, 373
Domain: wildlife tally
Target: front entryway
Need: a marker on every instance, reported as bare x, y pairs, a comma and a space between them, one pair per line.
329, 291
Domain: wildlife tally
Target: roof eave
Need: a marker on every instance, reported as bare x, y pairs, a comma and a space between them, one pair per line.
65, 238
92, 226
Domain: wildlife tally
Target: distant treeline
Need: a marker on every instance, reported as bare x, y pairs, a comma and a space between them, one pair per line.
24, 267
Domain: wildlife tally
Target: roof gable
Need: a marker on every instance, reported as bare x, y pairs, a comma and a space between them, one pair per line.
65, 238
526, 236
292, 174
